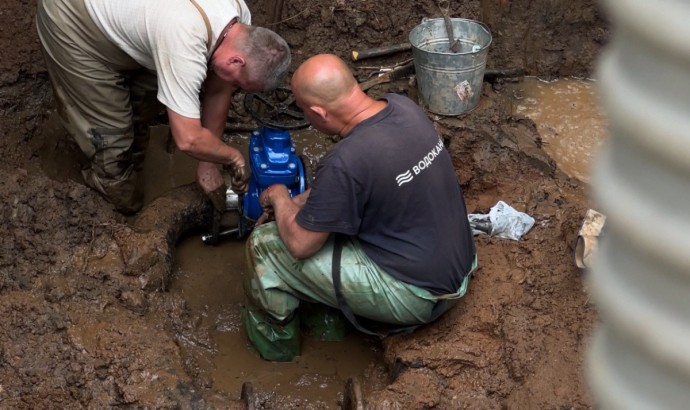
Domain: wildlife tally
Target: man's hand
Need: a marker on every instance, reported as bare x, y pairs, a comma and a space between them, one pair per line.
239, 177
265, 217
266, 203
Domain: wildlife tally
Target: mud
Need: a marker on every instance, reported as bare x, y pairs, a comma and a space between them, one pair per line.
88, 320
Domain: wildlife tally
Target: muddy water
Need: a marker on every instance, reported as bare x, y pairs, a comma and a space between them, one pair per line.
210, 280
568, 117
165, 166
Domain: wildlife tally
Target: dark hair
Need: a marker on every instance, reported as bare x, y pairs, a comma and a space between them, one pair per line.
267, 55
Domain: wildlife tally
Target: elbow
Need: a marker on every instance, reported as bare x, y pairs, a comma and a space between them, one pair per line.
186, 145
301, 250
299, 253
187, 141
300, 242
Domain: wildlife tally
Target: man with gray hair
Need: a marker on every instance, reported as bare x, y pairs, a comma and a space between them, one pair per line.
111, 61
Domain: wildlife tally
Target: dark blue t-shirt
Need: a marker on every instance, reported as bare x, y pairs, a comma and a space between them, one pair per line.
391, 184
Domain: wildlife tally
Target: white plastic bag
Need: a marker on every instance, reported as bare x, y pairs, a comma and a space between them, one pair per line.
502, 221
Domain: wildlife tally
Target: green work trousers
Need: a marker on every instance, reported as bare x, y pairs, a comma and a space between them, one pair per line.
275, 283
104, 98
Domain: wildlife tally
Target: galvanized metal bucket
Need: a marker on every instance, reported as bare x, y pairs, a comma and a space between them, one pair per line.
450, 83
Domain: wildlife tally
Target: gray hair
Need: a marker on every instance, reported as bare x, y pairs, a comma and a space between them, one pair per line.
267, 55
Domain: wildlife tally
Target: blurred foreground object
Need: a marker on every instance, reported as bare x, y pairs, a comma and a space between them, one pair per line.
640, 355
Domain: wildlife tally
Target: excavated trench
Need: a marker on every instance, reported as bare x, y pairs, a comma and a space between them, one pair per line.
209, 278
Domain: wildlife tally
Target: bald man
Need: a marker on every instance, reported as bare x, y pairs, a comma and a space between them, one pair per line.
111, 61
381, 234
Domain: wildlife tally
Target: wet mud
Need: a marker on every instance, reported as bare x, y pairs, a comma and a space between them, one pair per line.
569, 120
89, 318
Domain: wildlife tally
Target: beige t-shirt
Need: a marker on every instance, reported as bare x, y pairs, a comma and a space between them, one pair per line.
168, 37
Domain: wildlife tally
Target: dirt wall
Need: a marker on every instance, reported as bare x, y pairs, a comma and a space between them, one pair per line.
547, 38
24, 90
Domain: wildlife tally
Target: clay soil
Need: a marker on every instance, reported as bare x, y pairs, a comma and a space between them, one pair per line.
86, 319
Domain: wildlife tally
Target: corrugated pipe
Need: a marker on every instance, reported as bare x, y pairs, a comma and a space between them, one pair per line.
640, 354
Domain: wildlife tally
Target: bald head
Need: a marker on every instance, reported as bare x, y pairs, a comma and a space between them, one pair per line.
328, 93
323, 80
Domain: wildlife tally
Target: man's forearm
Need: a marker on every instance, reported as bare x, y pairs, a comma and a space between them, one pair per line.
301, 242
200, 143
285, 211
301, 199
216, 104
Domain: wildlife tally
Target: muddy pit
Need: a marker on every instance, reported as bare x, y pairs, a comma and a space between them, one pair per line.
102, 311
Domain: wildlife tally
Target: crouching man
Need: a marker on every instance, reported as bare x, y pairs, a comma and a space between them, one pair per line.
112, 63
381, 234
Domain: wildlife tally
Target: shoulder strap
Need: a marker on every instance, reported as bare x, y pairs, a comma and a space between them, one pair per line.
206, 21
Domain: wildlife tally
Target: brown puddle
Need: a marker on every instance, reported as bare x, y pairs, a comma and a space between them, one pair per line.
165, 166
568, 118
209, 278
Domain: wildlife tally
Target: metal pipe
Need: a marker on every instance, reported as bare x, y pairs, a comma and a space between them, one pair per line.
213, 239
640, 355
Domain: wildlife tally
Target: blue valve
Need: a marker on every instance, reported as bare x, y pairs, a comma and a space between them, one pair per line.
272, 160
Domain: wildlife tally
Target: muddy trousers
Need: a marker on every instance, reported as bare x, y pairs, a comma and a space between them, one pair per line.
104, 98
275, 283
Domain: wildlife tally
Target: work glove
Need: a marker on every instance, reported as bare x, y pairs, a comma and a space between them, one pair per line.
239, 177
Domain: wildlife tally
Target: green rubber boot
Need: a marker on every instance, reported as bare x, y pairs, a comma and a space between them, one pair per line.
274, 341
324, 322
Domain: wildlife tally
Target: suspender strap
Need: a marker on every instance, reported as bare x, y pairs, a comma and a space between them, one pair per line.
342, 303
206, 22
437, 310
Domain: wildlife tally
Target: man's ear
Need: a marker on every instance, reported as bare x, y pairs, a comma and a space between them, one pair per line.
237, 59
318, 110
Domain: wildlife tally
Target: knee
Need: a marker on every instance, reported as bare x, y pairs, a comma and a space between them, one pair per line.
251, 282
112, 151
